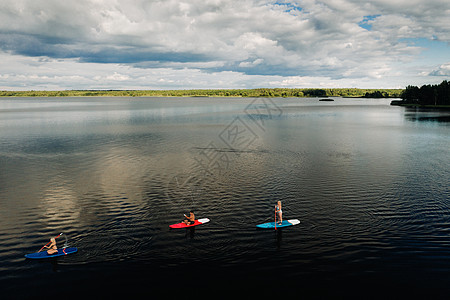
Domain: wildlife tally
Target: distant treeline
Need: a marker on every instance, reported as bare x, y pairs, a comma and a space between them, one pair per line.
435, 95
262, 92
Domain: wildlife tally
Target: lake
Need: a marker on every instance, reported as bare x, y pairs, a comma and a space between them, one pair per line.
368, 181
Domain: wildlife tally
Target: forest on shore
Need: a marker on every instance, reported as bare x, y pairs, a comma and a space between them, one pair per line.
261, 92
437, 95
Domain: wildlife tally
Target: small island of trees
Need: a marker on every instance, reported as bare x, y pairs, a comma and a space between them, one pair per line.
437, 95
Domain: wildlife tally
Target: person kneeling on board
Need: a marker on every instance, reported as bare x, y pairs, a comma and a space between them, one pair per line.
52, 247
191, 219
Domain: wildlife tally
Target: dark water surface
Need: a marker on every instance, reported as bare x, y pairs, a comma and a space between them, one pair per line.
369, 182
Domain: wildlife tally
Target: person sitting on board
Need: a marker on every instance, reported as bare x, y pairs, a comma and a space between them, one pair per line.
279, 212
52, 248
191, 219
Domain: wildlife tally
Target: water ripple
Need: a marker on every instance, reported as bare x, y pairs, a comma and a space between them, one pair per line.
372, 197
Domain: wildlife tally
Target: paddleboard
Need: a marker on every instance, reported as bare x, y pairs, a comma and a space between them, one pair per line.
43, 254
285, 223
183, 225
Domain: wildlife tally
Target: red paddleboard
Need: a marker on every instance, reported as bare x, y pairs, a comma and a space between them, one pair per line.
183, 225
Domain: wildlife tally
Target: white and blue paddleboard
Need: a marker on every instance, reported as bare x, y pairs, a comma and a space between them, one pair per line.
43, 254
278, 225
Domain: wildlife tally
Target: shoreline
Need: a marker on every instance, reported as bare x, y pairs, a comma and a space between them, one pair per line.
244, 93
415, 105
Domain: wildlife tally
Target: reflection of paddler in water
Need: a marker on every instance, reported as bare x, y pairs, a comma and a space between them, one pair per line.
189, 220
52, 247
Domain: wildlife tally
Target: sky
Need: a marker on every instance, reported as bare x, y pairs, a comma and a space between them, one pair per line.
219, 44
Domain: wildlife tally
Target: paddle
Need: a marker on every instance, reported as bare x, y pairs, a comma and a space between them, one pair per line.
50, 241
275, 218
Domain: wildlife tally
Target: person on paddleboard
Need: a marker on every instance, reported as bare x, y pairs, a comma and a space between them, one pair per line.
191, 219
279, 212
52, 247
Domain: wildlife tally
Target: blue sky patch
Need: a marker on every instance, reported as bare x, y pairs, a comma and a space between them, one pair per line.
434, 51
365, 23
289, 7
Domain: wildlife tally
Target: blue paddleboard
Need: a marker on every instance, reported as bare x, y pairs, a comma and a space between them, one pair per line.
43, 254
283, 224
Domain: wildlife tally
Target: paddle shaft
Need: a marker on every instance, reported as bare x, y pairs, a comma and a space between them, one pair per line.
50, 242
275, 218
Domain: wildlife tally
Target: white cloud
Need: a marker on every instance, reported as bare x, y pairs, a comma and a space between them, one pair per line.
443, 70
118, 77
104, 42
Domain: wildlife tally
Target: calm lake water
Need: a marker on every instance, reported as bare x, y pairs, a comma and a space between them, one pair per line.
368, 181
